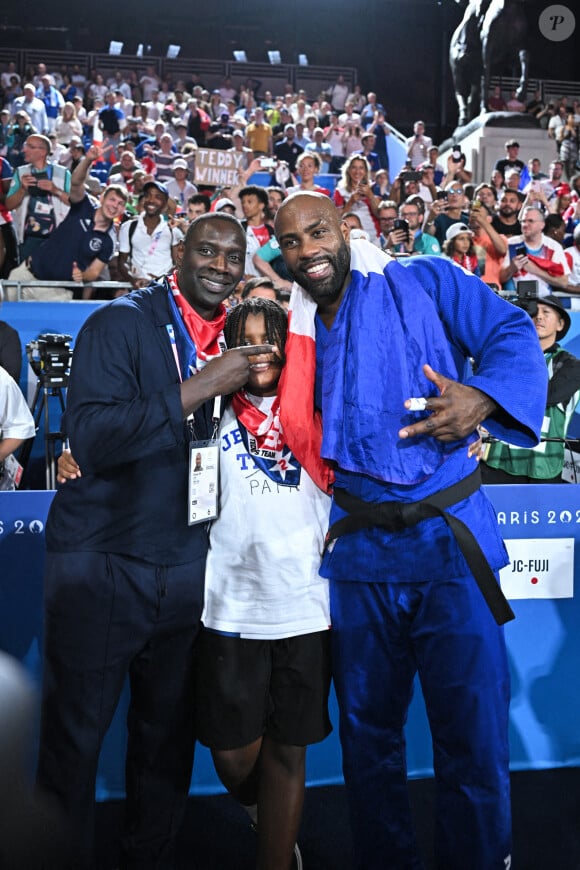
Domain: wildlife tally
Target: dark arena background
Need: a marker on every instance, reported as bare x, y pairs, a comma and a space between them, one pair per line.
398, 48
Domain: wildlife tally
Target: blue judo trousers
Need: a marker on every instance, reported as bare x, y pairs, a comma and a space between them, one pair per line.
405, 602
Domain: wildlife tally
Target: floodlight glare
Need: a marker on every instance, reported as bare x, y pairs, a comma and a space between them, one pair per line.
173, 51
240, 56
116, 47
140, 50
274, 57
302, 60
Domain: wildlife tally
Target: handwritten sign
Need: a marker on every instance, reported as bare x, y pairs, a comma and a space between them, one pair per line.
218, 168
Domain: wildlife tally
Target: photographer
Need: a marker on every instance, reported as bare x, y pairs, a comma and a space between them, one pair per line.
447, 209
82, 246
38, 196
505, 463
406, 183
407, 236
380, 130
456, 170
427, 186
534, 255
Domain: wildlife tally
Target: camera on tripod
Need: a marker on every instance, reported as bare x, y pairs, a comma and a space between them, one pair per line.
527, 296
50, 357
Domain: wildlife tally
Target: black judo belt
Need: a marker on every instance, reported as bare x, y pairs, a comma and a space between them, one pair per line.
394, 516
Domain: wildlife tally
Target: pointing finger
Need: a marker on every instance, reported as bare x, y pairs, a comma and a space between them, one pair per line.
254, 349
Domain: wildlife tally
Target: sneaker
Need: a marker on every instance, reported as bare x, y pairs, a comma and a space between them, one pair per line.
297, 860
297, 863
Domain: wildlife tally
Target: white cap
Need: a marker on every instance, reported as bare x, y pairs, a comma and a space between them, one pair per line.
457, 230
222, 203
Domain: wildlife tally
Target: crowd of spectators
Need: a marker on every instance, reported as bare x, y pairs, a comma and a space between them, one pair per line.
147, 131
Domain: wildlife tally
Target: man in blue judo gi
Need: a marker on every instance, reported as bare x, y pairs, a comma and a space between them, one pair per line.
413, 548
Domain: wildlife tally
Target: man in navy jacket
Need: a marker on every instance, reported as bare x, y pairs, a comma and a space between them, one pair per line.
124, 571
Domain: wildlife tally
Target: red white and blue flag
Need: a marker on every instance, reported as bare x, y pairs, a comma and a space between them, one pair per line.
301, 421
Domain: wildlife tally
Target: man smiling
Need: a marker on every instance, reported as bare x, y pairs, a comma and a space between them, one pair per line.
411, 589
124, 571
148, 246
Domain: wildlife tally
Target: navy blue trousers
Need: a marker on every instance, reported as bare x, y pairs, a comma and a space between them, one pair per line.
107, 617
384, 633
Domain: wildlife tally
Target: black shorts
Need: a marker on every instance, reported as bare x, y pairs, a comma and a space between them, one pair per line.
248, 688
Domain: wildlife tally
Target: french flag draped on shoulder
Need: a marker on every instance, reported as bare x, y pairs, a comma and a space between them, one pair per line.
386, 329
300, 420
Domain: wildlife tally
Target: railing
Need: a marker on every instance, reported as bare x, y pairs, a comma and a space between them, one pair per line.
550, 89
273, 77
12, 295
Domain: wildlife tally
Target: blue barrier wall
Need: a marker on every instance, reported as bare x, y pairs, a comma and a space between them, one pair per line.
543, 644
34, 318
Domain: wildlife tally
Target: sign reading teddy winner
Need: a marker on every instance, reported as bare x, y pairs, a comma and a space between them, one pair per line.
220, 168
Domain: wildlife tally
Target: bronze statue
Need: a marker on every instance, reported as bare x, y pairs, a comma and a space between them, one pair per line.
490, 32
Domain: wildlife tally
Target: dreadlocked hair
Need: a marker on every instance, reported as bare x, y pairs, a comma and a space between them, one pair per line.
275, 320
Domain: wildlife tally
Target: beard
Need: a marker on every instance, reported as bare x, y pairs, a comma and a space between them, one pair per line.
329, 288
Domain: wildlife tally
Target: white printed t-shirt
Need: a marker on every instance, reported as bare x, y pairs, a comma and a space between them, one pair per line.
266, 545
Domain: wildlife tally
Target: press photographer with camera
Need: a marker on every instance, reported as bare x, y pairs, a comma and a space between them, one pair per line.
38, 196
81, 247
534, 255
505, 463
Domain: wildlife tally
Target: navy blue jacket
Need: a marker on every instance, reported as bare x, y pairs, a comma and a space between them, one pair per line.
126, 430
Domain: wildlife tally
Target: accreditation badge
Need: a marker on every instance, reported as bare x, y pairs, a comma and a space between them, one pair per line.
202, 504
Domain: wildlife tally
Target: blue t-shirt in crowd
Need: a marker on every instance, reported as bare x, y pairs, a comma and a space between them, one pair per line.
75, 241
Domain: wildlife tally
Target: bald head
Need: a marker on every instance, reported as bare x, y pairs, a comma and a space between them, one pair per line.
310, 200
